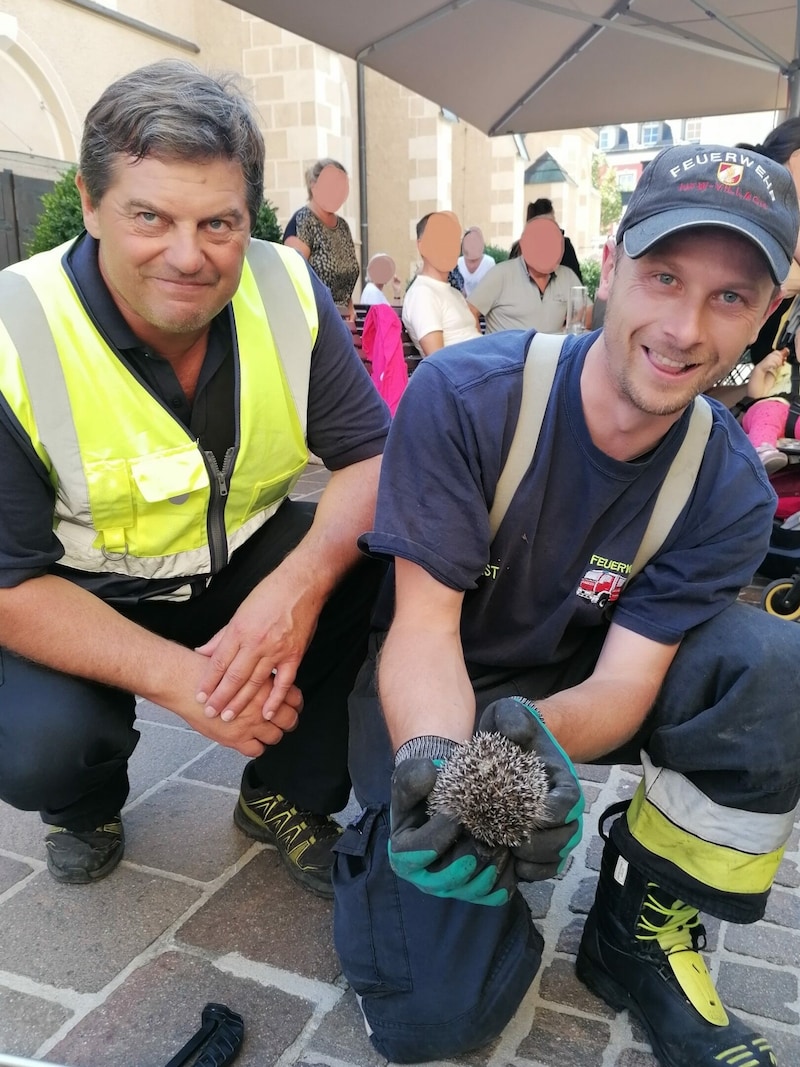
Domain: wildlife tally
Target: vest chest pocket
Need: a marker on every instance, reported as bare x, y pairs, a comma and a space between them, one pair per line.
170, 474
151, 505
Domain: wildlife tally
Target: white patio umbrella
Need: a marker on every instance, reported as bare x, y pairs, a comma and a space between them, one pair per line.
518, 66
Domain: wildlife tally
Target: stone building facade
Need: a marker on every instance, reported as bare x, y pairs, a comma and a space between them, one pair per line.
56, 56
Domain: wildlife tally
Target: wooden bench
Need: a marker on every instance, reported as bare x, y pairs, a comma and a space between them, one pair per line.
410, 353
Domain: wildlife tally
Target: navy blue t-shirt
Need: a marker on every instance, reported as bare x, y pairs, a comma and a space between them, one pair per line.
576, 521
347, 422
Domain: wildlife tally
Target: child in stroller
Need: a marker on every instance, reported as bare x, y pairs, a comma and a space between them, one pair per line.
770, 419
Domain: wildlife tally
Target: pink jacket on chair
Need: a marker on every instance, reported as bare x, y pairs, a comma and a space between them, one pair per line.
382, 344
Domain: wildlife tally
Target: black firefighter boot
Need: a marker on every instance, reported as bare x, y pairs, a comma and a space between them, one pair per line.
639, 951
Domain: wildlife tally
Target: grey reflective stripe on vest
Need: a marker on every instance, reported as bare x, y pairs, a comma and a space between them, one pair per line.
537, 381
27, 325
287, 319
24, 318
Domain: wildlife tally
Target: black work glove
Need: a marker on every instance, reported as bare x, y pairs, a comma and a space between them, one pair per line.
549, 843
434, 852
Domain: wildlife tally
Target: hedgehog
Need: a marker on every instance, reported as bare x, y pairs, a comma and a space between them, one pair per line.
494, 788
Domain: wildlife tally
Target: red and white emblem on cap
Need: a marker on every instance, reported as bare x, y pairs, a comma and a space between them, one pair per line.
730, 173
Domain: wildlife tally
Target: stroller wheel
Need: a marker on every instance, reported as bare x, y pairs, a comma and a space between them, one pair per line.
782, 598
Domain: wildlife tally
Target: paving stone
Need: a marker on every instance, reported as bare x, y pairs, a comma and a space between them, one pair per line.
786, 1046
788, 874
12, 871
594, 854
583, 897
590, 795
265, 916
626, 788
342, 1036
146, 711
158, 1008
221, 766
22, 832
538, 896
560, 1040
310, 487
560, 985
783, 909
764, 943
592, 772
186, 829
159, 754
712, 926
27, 1021
570, 937
743, 987
80, 937
634, 1058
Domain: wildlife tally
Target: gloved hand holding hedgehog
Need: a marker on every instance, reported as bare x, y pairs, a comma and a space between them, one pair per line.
469, 821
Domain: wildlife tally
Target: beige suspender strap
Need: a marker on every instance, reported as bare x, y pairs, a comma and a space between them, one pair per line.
677, 485
537, 381
287, 320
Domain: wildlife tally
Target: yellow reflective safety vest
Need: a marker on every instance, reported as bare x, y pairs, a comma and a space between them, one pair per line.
135, 493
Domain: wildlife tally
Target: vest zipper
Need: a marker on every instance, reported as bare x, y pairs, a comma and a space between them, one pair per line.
217, 538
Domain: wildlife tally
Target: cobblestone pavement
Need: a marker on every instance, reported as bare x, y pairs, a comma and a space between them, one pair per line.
116, 974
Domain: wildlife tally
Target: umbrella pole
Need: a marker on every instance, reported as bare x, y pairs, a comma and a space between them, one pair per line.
793, 104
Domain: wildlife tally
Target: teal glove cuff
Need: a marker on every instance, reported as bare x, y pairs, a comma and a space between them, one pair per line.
576, 811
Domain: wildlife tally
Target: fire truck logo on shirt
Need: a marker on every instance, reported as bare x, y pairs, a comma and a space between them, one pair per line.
730, 173
601, 587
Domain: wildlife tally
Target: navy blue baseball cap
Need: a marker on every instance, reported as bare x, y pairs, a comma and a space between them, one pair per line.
714, 185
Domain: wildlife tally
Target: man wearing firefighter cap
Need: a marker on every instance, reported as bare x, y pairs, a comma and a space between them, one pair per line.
565, 626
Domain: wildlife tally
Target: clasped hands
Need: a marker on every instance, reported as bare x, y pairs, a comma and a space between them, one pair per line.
252, 663
437, 855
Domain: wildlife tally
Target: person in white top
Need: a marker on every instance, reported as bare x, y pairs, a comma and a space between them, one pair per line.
380, 269
473, 263
434, 313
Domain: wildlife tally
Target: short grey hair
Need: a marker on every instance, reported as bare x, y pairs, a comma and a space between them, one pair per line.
172, 111
314, 171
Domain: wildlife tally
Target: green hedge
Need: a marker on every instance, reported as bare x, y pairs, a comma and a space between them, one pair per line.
590, 272
61, 217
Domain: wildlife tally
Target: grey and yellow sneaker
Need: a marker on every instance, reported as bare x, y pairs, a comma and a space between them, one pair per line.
78, 857
304, 839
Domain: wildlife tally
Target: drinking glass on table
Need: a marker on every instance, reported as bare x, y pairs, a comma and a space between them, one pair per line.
577, 303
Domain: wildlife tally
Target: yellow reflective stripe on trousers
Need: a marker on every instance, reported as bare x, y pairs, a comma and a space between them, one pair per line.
692, 847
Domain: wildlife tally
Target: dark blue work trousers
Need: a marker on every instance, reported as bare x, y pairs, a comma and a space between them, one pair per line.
65, 742
438, 977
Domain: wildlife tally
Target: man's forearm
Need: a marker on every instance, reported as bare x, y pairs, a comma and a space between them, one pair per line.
55, 623
424, 686
592, 719
346, 510
61, 626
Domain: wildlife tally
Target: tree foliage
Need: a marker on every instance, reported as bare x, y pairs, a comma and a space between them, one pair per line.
61, 218
590, 272
604, 179
266, 227
497, 254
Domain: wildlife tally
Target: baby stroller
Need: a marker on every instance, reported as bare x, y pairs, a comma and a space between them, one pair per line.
782, 562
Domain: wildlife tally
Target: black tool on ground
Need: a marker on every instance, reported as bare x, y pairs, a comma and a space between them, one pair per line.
216, 1043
